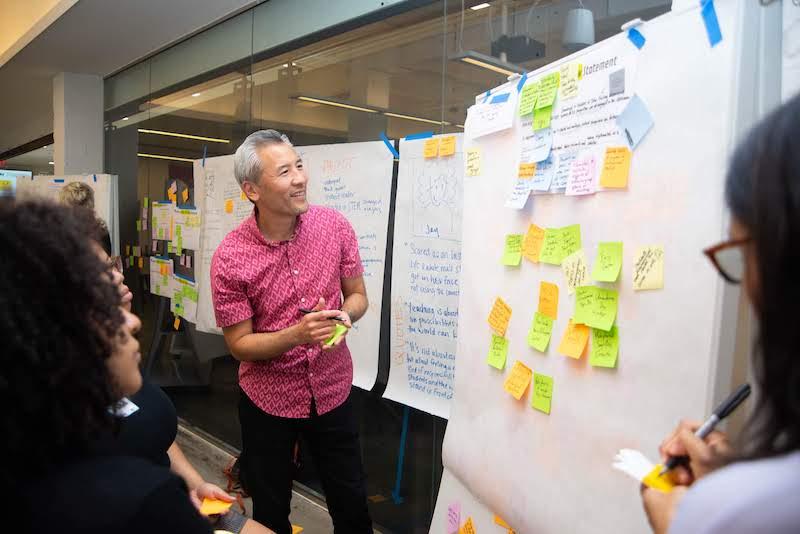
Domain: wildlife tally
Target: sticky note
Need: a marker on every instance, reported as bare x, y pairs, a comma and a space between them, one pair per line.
532, 243
146, 202
500, 316
569, 75
575, 270
339, 330
499, 521
548, 89
431, 148
447, 145
229, 205
648, 268
583, 175
596, 307
517, 382
498, 351
512, 253
548, 299
541, 118
243, 196
574, 341
163, 269
711, 22
542, 392
526, 170
297, 529
127, 250
605, 347
635, 121
185, 195
453, 517
608, 263
539, 334
570, 240
176, 324
518, 196
468, 527
141, 262
545, 170
214, 506
173, 188
616, 167
473, 162
551, 247
654, 480
138, 225
527, 99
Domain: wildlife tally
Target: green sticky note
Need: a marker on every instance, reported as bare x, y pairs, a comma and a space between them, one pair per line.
596, 307
605, 347
179, 249
570, 240
548, 88
160, 231
138, 225
146, 202
528, 98
539, 334
130, 261
191, 293
170, 249
337, 333
551, 247
512, 253
178, 229
541, 118
542, 392
498, 352
608, 262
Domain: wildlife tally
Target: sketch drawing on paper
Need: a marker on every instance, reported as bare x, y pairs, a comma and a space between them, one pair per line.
436, 200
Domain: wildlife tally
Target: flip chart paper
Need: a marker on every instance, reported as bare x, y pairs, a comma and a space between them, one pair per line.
548, 299
608, 263
542, 392
447, 146
532, 243
498, 351
575, 270
635, 121
500, 316
648, 268
605, 347
574, 341
616, 167
539, 334
517, 382
596, 307
512, 253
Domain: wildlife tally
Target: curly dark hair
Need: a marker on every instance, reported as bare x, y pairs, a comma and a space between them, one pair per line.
59, 318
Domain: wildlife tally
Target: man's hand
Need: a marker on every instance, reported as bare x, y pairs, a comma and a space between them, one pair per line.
317, 326
660, 507
704, 455
206, 490
345, 320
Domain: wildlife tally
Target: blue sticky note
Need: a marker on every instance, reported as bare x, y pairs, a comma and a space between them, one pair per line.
635, 121
636, 38
499, 99
712, 23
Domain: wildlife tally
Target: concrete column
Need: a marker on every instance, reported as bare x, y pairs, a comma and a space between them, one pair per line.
77, 123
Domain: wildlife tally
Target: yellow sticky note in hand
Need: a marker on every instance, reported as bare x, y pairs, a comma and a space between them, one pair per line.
229, 205
605, 347
548, 299
539, 334
648, 268
500, 316
575, 270
431, 148
339, 330
512, 253
517, 382
468, 527
473, 162
542, 392
532, 243
574, 341
608, 263
497, 352
214, 506
616, 167
527, 170
447, 146
660, 483
596, 307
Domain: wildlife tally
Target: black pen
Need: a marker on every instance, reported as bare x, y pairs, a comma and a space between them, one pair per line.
722, 411
306, 311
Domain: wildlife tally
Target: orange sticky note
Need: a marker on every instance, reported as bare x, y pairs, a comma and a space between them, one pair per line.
499, 521
141, 262
574, 341
468, 527
185, 195
447, 145
244, 197
548, 300
616, 167
532, 243
431, 148
176, 324
517, 382
214, 506
499, 316
527, 170
229, 206
296, 529
163, 269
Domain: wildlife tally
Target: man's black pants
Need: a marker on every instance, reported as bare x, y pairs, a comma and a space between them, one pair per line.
267, 451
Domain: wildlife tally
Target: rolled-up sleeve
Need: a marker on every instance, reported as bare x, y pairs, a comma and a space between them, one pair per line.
350, 266
231, 304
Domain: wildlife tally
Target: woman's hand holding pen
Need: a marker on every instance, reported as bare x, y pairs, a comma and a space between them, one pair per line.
705, 455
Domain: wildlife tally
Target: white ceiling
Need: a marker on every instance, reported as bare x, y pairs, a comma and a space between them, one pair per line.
93, 37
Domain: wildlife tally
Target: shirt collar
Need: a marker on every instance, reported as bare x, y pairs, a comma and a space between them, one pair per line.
255, 231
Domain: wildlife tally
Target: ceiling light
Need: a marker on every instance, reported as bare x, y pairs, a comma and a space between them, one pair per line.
285, 65
335, 103
184, 136
489, 62
124, 118
50, 163
159, 156
412, 118
196, 94
480, 6
578, 29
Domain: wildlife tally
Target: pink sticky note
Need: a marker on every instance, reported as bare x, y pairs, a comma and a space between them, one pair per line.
453, 518
583, 175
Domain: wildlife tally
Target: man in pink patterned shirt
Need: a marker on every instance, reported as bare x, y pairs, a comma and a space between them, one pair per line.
287, 259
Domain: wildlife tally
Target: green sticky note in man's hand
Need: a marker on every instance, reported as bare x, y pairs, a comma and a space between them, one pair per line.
337, 333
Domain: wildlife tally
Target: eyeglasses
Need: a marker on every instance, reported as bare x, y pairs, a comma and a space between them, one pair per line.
728, 259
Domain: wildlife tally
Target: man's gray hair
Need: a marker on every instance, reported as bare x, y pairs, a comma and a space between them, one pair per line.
246, 162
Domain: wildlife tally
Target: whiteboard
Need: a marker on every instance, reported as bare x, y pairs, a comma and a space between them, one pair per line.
425, 278
106, 193
551, 473
356, 180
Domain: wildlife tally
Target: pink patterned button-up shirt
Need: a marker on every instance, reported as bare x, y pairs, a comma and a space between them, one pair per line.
270, 281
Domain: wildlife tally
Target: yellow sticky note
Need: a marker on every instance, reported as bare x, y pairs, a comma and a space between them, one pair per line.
596, 307
214, 506
473, 162
243, 196
541, 118
539, 334
575, 270
512, 253
548, 88
500, 316
527, 98
569, 81
574, 341
517, 382
551, 247
338, 331
141, 262
527, 170
185, 195
229, 205
548, 299
498, 352
616, 167
605, 347
447, 146
296, 529
532, 243
660, 483
176, 324
570, 240
499, 521
648, 268
431, 148
608, 262
467, 528
127, 250
542, 392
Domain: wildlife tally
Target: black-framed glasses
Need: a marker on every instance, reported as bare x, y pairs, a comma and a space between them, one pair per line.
728, 258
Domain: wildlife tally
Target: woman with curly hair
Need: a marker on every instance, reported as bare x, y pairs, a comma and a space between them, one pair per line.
69, 356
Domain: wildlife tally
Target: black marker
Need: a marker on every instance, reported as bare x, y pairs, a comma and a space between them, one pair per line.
306, 311
722, 411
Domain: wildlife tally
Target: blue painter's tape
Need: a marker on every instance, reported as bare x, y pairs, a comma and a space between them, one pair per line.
711, 22
389, 145
636, 37
499, 99
521, 82
94, 176
205, 151
486, 96
420, 135
58, 180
